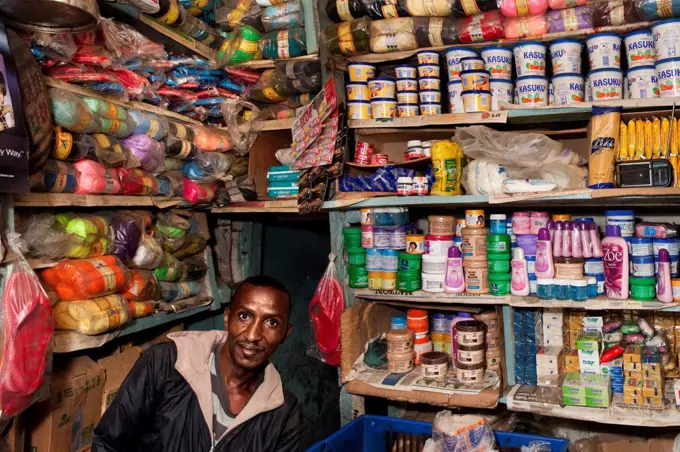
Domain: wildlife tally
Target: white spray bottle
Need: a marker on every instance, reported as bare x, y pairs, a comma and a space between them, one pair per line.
519, 284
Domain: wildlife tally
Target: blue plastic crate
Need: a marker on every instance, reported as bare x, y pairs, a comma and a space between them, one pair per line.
371, 433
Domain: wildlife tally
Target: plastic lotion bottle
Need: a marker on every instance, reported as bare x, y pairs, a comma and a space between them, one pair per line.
545, 267
664, 291
455, 281
519, 284
616, 265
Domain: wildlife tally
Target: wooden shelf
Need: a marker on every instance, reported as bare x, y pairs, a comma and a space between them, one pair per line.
404, 164
274, 206
548, 37
187, 41
73, 200
498, 117
269, 64
597, 304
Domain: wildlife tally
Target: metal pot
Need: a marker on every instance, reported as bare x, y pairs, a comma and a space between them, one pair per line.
51, 16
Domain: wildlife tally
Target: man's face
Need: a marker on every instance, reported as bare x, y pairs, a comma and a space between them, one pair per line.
257, 323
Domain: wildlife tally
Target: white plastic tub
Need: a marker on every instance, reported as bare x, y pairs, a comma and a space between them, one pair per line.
532, 91
668, 73
568, 89
666, 35
498, 61
455, 97
530, 58
642, 82
453, 57
606, 84
565, 55
501, 91
639, 49
604, 51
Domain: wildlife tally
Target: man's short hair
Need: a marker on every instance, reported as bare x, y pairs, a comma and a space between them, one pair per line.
264, 281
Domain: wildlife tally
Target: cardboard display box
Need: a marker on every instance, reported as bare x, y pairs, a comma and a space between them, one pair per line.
116, 367
66, 422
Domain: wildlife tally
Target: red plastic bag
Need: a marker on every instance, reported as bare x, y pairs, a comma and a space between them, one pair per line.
325, 310
27, 329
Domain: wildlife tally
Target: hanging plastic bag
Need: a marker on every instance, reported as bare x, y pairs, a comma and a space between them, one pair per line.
325, 310
93, 316
149, 253
179, 291
80, 279
26, 323
143, 286
170, 269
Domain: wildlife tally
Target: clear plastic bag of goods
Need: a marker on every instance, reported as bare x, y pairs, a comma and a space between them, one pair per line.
79, 279
180, 149
463, 8
149, 254
325, 309
135, 84
92, 316
430, 8
125, 43
112, 153
211, 139
239, 115
300, 100
59, 47
180, 131
237, 12
105, 109
172, 164
170, 269
200, 31
179, 291
244, 47
146, 6
71, 146
140, 309
55, 177
116, 127
283, 16
193, 244
171, 183
137, 182
613, 13
488, 26
657, 9
463, 432
197, 193
154, 126
149, 152
435, 31
348, 38
93, 55
562, 4
393, 35
239, 166
288, 43
385, 9
27, 326
171, 229
70, 112
514, 8
143, 286
84, 236
525, 27
207, 167
298, 69
196, 267
95, 179
570, 19
345, 10
127, 228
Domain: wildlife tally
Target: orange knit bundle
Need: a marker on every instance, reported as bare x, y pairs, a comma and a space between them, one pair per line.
79, 279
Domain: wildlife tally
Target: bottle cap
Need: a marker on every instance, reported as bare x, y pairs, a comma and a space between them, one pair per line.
559, 225
465, 314
664, 256
567, 225
551, 225
543, 234
613, 230
518, 254
582, 226
454, 252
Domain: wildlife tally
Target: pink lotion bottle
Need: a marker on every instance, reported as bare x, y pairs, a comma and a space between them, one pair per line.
567, 229
595, 240
557, 239
664, 291
585, 239
545, 267
519, 284
455, 281
616, 263
576, 242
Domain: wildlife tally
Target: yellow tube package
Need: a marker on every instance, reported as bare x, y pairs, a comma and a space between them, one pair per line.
656, 138
447, 166
648, 139
665, 135
623, 143
639, 139
604, 146
631, 139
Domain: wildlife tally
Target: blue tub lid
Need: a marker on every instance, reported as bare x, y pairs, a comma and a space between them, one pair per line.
527, 77
476, 91
565, 41
619, 213
600, 35
475, 71
664, 22
381, 79
467, 49
529, 43
638, 68
358, 102
497, 48
638, 32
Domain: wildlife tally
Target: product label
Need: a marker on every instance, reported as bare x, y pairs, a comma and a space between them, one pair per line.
435, 31
475, 27
282, 43
664, 8
345, 39
102, 140
430, 8
106, 273
271, 94
522, 8
63, 144
523, 31
613, 269
343, 10
248, 46
570, 20
470, 7
389, 11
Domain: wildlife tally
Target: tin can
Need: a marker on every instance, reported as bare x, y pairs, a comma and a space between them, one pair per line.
379, 159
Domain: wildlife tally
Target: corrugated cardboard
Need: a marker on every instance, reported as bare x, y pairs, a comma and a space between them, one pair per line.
74, 406
651, 445
116, 367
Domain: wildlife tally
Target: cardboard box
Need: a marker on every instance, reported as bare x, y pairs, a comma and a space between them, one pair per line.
632, 354
649, 445
74, 407
116, 367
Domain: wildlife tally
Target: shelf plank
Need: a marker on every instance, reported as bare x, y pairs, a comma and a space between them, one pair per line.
269, 64
187, 41
488, 398
74, 200
616, 414
276, 206
486, 117
404, 164
71, 341
596, 304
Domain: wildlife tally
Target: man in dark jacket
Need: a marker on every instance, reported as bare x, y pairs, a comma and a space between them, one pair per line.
211, 391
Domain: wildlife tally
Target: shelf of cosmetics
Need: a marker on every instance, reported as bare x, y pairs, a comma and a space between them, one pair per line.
592, 356
102, 148
115, 266
484, 81
441, 343
527, 254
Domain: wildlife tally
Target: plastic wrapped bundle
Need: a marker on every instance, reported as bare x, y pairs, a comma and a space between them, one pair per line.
180, 131
237, 12
613, 13
348, 38
244, 47
392, 35
143, 286
149, 152
270, 88
345, 10
523, 8
154, 126
207, 167
172, 230
284, 44
104, 109
525, 27
304, 85
168, 13
91, 317
137, 182
71, 147
55, 177
86, 278
211, 139
119, 128
95, 179
171, 183
51, 240
171, 164
193, 244
70, 112
127, 232
111, 153
570, 19
283, 16
180, 149
196, 267
435, 31
179, 291
170, 269
298, 69
385, 9
149, 254
436, 8
657, 9
463, 8
196, 193
85, 236
484, 27
562, 4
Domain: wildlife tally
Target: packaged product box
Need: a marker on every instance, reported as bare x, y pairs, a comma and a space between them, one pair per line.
635, 375
574, 400
554, 340
664, 319
66, 422
588, 341
589, 361
652, 392
116, 367
652, 401
593, 324
652, 367
632, 354
598, 401
632, 400
572, 337
632, 391
549, 356
632, 367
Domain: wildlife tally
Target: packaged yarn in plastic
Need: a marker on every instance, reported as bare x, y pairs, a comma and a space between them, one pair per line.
237, 12
348, 38
71, 147
196, 267
385, 9
345, 10
284, 44
244, 46
283, 16
180, 149
463, 8
70, 112
111, 153
100, 107
172, 230
179, 291
127, 229
143, 286
169, 12
436, 8
613, 13
149, 152
304, 85
55, 177
116, 127
180, 131
86, 278
562, 4
525, 27
485, 27
95, 316
146, 6
145, 123
298, 69
449, 428
523, 8
300, 100
26, 322
200, 31
435, 31
392, 35
658, 9
171, 183
211, 139
235, 112
171, 164
95, 179
196, 193
193, 244
570, 19
137, 182
86, 235
149, 254
93, 55
170, 269
207, 167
